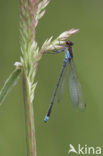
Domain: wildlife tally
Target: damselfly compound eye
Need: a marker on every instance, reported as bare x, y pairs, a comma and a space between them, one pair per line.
69, 43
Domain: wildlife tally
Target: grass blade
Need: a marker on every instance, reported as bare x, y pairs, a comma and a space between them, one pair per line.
9, 83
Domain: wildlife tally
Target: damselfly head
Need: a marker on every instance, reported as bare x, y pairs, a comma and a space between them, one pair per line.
69, 43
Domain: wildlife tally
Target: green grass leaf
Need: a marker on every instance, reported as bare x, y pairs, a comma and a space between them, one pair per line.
9, 83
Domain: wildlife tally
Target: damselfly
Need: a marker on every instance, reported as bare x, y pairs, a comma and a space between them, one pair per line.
75, 88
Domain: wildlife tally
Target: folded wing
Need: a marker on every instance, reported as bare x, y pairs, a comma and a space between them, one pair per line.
75, 89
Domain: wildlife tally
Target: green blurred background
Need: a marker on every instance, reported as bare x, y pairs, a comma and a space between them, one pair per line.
66, 125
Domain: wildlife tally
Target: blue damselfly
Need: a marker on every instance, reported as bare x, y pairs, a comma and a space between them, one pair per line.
75, 88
